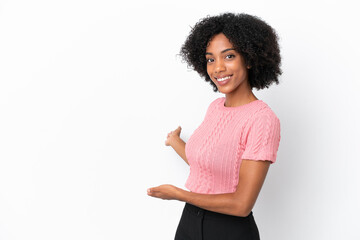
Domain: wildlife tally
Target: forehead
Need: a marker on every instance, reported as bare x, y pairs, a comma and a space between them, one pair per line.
218, 43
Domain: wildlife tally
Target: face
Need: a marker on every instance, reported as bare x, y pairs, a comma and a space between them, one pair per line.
225, 66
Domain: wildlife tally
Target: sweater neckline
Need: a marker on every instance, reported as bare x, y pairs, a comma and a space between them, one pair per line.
222, 104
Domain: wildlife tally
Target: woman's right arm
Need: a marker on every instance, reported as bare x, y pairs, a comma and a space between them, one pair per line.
174, 140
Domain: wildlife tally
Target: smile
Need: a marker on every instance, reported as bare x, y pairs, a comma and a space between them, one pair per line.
223, 79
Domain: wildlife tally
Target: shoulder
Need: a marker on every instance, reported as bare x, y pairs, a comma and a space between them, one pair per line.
214, 103
265, 113
264, 116
217, 101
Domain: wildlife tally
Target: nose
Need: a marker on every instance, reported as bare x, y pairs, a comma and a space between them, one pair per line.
219, 66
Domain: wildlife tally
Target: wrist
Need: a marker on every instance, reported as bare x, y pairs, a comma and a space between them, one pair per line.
174, 139
180, 194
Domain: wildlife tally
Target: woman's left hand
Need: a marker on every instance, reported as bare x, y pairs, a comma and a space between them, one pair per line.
165, 192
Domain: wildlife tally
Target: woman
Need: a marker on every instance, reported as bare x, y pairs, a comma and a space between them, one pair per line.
229, 154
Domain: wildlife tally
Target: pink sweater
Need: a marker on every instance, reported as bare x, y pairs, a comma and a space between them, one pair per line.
225, 137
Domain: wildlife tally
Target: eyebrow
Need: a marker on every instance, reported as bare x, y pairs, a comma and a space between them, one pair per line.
228, 49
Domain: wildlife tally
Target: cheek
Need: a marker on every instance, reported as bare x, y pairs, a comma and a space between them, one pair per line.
239, 69
208, 70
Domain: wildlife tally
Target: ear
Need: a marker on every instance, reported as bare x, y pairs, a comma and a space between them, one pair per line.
248, 67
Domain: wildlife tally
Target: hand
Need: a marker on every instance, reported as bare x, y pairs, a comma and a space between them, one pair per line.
171, 135
165, 192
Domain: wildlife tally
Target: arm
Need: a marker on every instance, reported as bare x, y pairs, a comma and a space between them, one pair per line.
179, 146
174, 140
239, 203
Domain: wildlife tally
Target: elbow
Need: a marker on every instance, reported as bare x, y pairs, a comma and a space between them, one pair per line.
242, 213
242, 209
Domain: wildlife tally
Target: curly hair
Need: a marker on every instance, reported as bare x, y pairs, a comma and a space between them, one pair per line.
251, 37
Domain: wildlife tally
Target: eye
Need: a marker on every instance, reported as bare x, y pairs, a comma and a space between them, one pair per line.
230, 56
209, 60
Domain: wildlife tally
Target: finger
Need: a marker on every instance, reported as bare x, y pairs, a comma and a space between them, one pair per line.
150, 191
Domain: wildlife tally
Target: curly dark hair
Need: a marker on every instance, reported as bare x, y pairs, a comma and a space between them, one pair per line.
251, 37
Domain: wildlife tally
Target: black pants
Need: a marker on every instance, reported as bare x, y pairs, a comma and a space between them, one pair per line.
200, 224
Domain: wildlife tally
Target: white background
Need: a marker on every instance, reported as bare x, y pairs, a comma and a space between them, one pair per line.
90, 89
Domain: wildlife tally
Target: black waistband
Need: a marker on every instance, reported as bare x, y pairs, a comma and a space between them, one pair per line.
203, 212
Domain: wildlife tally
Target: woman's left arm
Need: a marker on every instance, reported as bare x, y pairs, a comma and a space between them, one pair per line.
239, 203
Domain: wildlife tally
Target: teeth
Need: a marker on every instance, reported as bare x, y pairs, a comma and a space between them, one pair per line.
223, 79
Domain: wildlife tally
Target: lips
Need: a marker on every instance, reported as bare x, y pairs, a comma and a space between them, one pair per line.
222, 80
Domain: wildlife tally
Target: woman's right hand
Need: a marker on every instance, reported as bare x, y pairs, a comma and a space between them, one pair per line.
171, 135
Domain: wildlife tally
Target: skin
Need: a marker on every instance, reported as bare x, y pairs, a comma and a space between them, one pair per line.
222, 60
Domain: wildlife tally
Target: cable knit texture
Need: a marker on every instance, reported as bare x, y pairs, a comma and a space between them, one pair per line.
225, 137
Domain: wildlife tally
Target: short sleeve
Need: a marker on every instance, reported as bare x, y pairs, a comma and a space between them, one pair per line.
262, 137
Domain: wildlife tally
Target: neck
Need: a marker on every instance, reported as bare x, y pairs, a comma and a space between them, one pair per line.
240, 96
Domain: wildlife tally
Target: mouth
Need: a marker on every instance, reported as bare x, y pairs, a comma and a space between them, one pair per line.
223, 79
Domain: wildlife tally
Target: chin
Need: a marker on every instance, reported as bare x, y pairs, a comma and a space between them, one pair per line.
225, 90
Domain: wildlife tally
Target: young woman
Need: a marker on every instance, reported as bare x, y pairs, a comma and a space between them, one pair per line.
229, 154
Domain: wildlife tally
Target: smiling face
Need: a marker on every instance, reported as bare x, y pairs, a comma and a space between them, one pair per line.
225, 66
